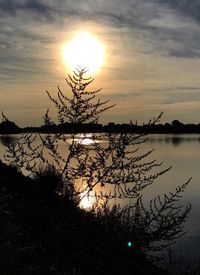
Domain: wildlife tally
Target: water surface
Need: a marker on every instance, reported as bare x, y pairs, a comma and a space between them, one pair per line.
183, 153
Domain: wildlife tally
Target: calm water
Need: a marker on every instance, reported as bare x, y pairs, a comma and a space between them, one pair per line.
183, 153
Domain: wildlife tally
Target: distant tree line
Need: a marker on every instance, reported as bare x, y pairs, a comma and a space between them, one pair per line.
177, 127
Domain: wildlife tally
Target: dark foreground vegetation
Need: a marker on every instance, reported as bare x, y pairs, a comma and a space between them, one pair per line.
44, 233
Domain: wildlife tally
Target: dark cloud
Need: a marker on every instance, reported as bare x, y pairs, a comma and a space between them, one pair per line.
188, 7
125, 96
12, 6
182, 95
194, 90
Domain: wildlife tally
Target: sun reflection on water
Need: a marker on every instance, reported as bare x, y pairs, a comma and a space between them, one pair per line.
87, 200
85, 139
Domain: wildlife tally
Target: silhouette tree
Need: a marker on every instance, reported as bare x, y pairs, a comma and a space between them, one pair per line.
105, 167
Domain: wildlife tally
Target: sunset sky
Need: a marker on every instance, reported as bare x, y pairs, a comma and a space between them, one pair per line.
152, 51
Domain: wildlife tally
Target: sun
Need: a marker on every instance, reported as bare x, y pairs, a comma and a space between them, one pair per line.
84, 50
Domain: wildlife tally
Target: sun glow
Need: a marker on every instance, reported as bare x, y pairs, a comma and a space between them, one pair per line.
87, 200
84, 50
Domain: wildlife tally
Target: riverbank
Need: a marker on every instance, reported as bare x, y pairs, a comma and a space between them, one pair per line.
43, 233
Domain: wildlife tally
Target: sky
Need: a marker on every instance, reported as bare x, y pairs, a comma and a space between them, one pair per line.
152, 60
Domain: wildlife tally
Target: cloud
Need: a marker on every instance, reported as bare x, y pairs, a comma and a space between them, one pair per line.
156, 27
187, 7
127, 96
12, 6
182, 95
134, 26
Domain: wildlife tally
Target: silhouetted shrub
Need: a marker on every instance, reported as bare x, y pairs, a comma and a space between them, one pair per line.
67, 238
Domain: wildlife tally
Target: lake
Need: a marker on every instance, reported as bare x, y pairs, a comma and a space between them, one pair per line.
183, 153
